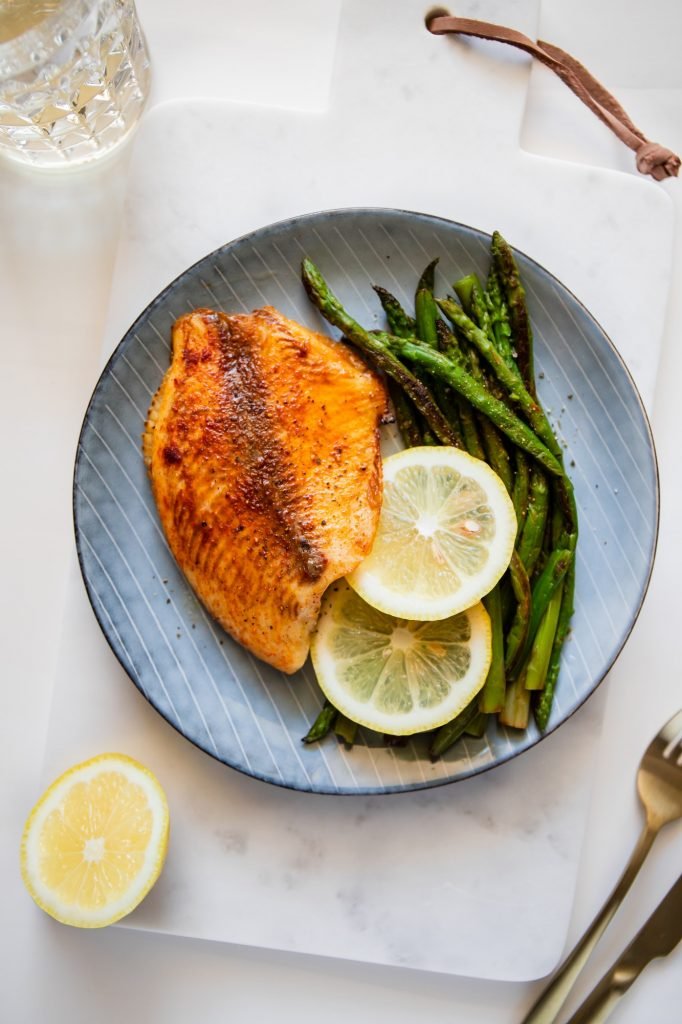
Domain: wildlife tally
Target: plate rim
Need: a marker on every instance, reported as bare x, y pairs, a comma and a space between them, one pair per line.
126, 338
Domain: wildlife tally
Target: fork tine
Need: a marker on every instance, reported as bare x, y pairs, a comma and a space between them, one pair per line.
669, 747
675, 742
672, 731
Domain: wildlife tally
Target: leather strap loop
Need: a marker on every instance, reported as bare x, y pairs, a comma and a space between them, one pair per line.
651, 158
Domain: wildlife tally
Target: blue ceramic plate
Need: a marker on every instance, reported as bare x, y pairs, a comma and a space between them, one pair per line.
245, 713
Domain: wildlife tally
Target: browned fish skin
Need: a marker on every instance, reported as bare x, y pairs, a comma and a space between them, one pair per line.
262, 445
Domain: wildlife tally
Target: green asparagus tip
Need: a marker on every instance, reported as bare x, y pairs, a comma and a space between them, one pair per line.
311, 275
464, 289
428, 278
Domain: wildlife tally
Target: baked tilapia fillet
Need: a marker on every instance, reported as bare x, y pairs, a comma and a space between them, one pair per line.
262, 445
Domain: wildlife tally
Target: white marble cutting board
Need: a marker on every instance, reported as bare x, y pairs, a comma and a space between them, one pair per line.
472, 879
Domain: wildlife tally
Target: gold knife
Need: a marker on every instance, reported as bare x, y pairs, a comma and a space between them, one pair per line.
657, 937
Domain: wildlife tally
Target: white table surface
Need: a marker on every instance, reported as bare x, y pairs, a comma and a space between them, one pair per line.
57, 246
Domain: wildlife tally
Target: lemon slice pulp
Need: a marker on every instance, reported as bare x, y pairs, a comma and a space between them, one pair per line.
393, 675
96, 841
445, 536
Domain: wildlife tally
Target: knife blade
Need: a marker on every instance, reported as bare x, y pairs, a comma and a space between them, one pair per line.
657, 937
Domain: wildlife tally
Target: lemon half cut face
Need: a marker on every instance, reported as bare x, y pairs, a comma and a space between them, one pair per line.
96, 841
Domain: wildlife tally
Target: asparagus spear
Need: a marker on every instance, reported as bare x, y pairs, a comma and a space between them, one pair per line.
510, 281
466, 418
520, 490
485, 443
472, 298
516, 705
538, 660
322, 724
345, 729
518, 631
477, 726
428, 279
404, 416
532, 536
469, 423
555, 569
505, 277
429, 438
330, 307
544, 705
464, 289
419, 430
500, 333
427, 329
499, 319
400, 322
402, 325
425, 308
565, 497
479, 312
497, 454
451, 731
488, 310
470, 433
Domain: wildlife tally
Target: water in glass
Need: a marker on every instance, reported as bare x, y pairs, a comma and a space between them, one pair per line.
74, 77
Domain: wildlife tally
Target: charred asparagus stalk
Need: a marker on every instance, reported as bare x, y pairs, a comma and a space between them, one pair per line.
404, 416
425, 308
555, 569
400, 323
509, 279
544, 705
449, 733
322, 724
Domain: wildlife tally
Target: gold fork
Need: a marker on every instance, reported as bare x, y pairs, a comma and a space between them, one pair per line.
659, 784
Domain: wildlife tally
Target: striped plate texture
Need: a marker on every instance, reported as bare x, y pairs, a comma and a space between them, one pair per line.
209, 688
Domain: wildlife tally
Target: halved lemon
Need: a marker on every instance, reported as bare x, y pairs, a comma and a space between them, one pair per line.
96, 841
393, 675
445, 536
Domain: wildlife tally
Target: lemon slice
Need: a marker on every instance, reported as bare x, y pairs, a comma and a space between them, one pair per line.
445, 536
393, 675
96, 841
